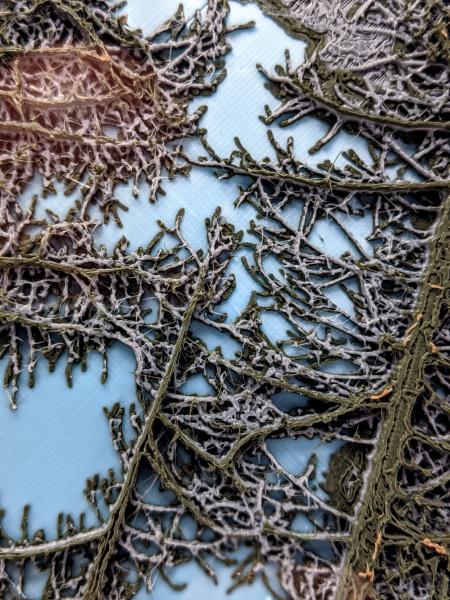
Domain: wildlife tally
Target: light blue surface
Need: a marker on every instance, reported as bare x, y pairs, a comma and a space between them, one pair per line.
59, 437
201, 587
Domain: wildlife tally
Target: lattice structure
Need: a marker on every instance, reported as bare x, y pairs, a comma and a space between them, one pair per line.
86, 101
364, 361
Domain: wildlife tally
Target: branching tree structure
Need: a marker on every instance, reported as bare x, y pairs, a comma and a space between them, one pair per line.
362, 358
89, 102
379, 71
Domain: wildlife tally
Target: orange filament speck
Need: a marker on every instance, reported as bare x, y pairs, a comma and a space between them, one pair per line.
433, 546
382, 394
377, 546
367, 574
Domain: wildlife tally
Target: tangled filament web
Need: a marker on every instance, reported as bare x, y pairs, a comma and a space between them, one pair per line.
88, 103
